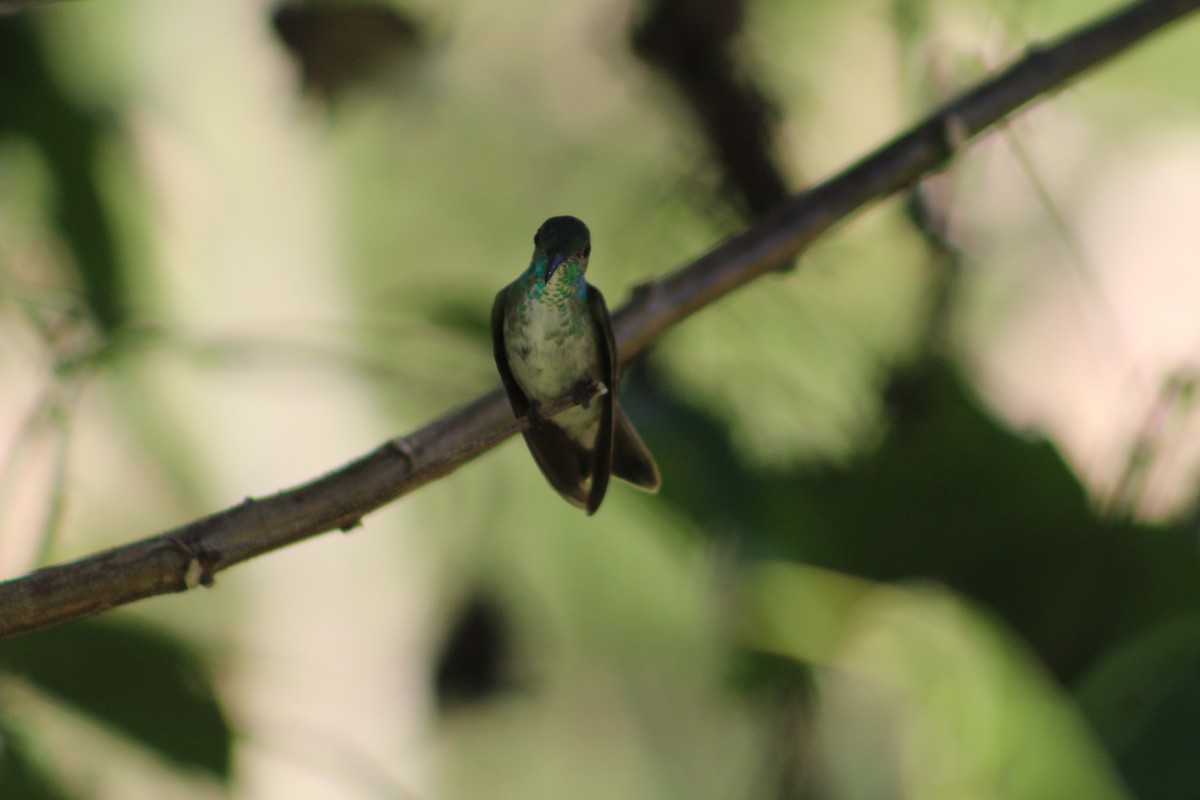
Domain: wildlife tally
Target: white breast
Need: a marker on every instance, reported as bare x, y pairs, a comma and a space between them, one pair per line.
543, 370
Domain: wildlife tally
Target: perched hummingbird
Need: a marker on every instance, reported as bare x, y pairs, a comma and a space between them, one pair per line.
552, 336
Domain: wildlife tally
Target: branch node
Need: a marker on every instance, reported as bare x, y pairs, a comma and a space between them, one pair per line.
193, 574
955, 132
351, 525
201, 564
404, 446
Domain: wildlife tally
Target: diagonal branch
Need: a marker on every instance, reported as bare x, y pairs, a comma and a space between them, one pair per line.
182, 558
13, 6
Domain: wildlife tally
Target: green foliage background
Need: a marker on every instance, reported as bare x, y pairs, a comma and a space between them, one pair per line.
862, 578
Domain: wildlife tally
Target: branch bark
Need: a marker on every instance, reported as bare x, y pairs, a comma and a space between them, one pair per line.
191, 555
13, 6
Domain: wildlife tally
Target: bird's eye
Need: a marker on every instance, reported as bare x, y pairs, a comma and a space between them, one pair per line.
587, 251
535, 241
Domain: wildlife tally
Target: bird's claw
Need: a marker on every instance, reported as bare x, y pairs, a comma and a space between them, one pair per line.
584, 391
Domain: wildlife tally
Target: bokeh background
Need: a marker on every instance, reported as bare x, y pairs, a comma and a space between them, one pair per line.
928, 525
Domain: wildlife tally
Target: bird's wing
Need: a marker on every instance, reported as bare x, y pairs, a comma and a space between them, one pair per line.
602, 451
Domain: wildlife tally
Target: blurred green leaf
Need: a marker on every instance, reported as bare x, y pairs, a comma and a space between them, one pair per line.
920, 695
21, 774
1144, 700
953, 495
34, 106
709, 479
949, 494
143, 683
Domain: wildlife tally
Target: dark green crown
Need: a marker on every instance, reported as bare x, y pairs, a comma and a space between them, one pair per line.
565, 235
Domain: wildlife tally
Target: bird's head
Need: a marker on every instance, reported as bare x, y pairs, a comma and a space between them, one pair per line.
561, 241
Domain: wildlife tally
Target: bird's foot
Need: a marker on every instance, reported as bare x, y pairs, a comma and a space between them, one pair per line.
585, 390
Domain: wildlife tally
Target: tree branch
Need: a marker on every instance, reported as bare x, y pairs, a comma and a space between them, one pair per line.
191, 555
13, 6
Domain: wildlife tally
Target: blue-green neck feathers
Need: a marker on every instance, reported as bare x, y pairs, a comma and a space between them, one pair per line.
560, 255
568, 278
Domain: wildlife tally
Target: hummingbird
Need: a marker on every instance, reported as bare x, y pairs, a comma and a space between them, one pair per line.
552, 336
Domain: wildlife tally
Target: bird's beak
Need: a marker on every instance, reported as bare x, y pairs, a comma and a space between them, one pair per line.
556, 260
